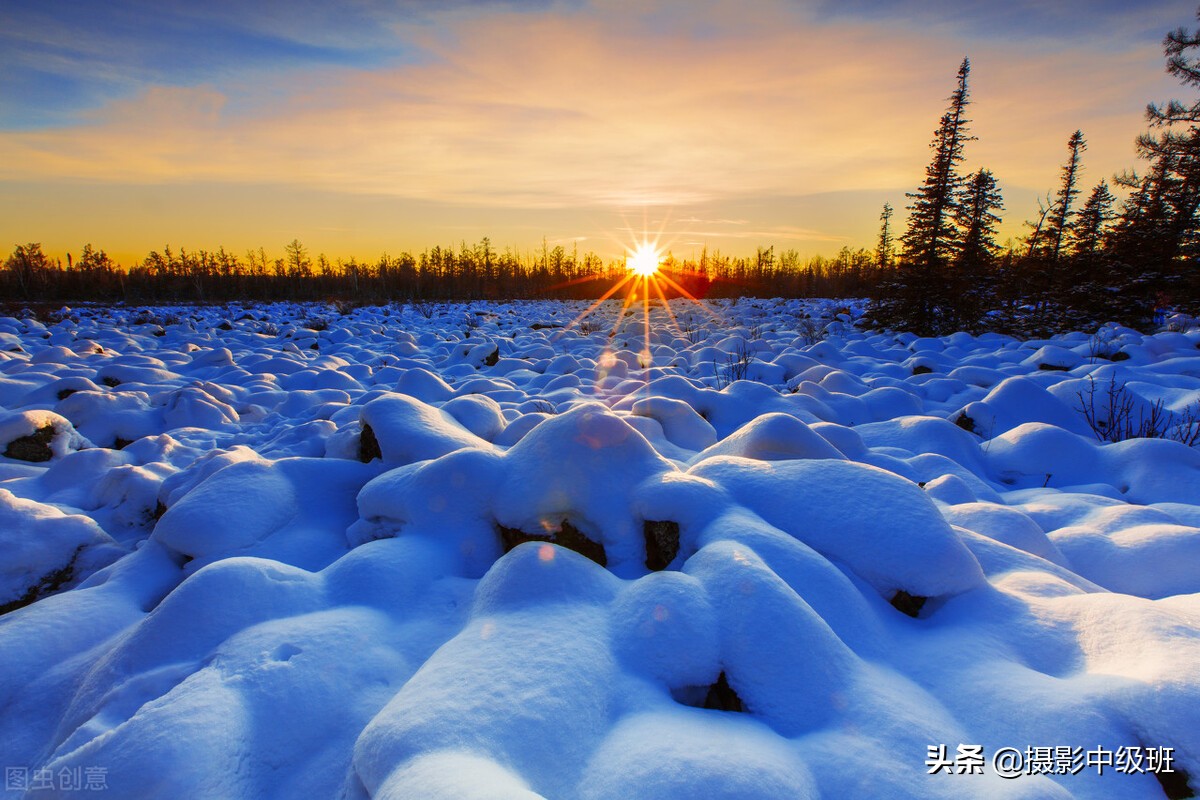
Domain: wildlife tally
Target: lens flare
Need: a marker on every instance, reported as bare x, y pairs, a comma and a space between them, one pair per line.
643, 261
645, 283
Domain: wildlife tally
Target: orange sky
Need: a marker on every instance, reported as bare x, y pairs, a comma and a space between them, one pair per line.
726, 125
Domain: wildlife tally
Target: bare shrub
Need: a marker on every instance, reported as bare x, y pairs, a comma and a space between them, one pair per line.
1100, 344
1112, 417
545, 407
345, 307
736, 366
810, 330
689, 329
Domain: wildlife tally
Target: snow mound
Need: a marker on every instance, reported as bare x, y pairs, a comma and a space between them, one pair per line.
458, 551
772, 437
406, 429
37, 436
46, 551
846, 512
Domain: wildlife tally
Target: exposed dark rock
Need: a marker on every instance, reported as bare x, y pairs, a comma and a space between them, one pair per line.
965, 422
159, 510
1044, 367
110, 381
1175, 783
921, 369
719, 696
662, 543
121, 444
35, 447
49, 583
368, 445
492, 358
722, 697
1120, 355
537, 326
906, 603
63, 394
567, 536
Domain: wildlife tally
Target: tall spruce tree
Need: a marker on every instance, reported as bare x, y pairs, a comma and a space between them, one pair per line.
932, 238
1059, 219
919, 299
1156, 242
1176, 46
1052, 282
974, 267
977, 216
1088, 269
1089, 231
883, 252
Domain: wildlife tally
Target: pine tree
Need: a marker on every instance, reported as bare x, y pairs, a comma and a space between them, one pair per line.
977, 218
883, 252
1156, 243
1088, 268
1090, 228
1060, 214
1176, 45
1052, 284
931, 237
919, 298
28, 265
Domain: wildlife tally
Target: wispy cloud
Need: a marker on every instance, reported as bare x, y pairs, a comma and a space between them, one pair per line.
1016, 20
602, 104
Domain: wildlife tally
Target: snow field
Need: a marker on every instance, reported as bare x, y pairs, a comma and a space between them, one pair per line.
252, 553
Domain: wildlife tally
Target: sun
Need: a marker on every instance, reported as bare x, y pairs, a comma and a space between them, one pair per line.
643, 261
645, 283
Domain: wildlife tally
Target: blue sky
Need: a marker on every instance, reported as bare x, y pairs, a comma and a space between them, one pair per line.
441, 121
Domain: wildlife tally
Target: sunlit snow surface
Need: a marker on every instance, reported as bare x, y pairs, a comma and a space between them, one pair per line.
235, 605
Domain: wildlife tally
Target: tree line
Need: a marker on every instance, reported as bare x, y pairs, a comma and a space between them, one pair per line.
469, 272
1082, 263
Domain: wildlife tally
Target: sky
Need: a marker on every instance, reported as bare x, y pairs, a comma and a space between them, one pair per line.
371, 126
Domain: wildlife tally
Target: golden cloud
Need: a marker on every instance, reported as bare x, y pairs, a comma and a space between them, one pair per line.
598, 107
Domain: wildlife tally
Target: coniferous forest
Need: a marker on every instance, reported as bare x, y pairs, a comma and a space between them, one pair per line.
1087, 258
1084, 260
